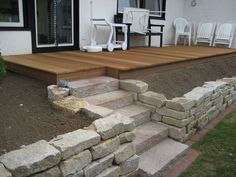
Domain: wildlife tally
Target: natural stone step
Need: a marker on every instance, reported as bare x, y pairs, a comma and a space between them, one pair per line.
139, 113
112, 100
93, 86
155, 161
148, 135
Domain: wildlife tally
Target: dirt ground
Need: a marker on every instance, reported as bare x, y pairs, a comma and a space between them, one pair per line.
26, 116
178, 82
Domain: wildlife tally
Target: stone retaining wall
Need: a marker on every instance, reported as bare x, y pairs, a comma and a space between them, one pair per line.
103, 149
185, 115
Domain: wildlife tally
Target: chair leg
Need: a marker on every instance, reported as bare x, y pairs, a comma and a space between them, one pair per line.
176, 39
149, 40
161, 40
189, 40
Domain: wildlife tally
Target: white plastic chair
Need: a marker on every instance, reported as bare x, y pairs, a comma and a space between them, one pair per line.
205, 33
182, 28
224, 34
138, 18
112, 42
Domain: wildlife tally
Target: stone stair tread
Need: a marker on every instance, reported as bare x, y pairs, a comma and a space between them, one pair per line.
148, 135
113, 100
160, 157
93, 86
139, 113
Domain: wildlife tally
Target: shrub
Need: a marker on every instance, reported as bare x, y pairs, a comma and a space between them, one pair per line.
2, 68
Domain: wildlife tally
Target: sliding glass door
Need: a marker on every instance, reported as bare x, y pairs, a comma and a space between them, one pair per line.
54, 23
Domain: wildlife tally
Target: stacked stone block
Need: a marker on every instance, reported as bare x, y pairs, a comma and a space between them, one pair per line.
103, 149
185, 115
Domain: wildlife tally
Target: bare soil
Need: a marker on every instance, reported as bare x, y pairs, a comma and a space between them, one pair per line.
177, 82
26, 116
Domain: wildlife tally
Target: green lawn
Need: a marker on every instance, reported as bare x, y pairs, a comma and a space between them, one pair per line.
217, 151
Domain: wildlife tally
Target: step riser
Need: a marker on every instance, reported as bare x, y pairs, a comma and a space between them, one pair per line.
141, 118
95, 86
149, 143
119, 103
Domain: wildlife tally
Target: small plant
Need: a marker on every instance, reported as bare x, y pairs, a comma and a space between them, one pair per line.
2, 68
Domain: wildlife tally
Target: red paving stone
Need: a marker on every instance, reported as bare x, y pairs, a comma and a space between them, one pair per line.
192, 154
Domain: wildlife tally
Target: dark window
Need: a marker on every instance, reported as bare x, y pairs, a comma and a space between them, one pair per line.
156, 7
11, 13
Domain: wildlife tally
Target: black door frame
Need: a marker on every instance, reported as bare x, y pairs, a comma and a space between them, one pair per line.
31, 15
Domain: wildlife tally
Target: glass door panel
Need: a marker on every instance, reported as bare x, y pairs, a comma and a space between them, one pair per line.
65, 22
54, 23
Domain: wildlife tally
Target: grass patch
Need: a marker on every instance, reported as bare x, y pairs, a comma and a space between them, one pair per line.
2, 68
217, 151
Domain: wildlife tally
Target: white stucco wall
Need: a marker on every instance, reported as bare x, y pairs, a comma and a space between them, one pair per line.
216, 11
15, 42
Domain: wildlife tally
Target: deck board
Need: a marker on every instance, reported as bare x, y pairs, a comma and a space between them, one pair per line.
77, 64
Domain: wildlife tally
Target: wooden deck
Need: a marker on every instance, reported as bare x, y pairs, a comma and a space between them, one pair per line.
74, 65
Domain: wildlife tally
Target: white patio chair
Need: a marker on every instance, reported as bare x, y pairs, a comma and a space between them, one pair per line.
224, 34
205, 33
138, 18
112, 42
182, 28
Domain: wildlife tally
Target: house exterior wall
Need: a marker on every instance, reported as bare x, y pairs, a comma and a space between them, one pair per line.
107, 9
15, 42
216, 11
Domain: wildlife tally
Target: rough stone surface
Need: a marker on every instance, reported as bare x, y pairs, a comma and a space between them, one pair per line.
231, 81
53, 172
156, 117
199, 94
76, 163
70, 104
98, 166
202, 121
215, 85
113, 125
132, 174
105, 148
129, 165
134, 86
112, 100
180, 104
31, 159
176, 122
162, 155
113, 171
148, 106
74, 142
96, 112
148, 135
136, 112
153, 98
4, 172
172, 113
175, 133
127, 137
93, 86
124, 152
55, 92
